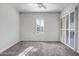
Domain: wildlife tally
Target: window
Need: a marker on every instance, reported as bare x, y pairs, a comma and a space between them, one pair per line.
67, 22
67, 27
72, 30
40, 25
72, 38
72, 20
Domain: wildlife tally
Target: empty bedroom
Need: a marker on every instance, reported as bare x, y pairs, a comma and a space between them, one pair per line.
39, 29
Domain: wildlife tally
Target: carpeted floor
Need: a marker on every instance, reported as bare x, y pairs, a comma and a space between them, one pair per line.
39, 49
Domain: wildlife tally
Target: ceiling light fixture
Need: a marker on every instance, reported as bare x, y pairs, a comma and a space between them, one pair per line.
41, 5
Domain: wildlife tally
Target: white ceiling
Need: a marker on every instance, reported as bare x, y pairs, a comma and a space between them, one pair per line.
33, 7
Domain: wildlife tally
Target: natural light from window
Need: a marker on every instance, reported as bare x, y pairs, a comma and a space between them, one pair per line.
40, 25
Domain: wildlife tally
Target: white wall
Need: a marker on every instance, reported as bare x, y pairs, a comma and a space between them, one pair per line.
78, 31
9, 26
28, 26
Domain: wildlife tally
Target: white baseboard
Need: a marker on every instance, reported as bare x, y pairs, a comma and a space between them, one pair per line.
8, 46
37, 39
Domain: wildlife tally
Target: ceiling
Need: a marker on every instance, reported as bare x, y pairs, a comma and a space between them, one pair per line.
33, 7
